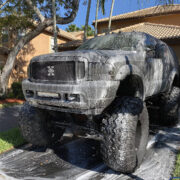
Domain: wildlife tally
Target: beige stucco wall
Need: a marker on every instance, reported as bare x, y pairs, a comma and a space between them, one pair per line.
176, 49
37, 46
172, 19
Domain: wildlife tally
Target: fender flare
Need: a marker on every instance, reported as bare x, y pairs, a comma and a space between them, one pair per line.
172, 76
133, 70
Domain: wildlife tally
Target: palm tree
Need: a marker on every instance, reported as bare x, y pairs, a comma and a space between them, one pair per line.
110, 16
54, 24
100, 4
72, 28
97, 8
87, 20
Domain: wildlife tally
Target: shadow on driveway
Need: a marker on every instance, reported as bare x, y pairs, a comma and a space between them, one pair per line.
9, 118
80, 159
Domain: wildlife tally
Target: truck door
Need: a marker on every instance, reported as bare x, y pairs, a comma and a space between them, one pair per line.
158, 68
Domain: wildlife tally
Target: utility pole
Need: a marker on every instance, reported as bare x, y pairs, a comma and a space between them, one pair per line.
97, 8
110, 16
54, 24
87, 20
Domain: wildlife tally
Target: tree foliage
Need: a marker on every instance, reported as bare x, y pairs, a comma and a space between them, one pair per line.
166, 2
17, 15
32, 16
102, 6
90, 31
74, 28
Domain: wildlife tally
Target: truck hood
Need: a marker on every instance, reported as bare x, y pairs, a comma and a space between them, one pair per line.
101, 56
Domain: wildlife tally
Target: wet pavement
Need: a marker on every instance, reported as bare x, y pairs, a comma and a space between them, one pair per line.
80, 160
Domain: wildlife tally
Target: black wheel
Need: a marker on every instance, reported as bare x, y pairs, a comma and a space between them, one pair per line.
169, 109
125, 135
36, 127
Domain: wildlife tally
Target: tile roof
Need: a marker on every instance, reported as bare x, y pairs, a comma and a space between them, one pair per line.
76, 33
62, 33
79, 34
72, 44
66, 34
148, 12
159, 31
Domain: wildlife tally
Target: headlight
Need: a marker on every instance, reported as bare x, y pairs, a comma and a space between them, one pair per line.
100, 71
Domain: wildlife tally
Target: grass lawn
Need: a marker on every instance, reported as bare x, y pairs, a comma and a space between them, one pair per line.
10, 139
4, 105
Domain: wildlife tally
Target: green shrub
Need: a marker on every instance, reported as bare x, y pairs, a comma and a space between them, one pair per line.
16, 90
10, 94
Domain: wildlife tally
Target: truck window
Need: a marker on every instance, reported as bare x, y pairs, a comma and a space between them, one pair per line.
111, 42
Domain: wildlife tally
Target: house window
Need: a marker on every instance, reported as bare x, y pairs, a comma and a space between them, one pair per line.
52, 44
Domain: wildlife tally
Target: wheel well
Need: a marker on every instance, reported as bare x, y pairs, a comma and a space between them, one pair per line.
132, 85
176, 81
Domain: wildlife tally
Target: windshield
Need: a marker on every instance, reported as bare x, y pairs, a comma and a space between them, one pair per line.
123, 41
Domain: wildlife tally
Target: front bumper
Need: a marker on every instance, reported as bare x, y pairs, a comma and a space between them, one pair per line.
94, 96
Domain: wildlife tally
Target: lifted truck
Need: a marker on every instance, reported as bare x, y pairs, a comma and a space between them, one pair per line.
101, 89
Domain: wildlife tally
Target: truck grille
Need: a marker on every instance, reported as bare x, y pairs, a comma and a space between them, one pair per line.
57, 71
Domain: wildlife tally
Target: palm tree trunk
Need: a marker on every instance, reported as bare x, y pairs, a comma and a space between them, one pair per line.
87, 20
97, 8
54, 25
110, 16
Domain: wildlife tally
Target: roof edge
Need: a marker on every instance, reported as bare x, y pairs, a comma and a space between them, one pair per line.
136, 17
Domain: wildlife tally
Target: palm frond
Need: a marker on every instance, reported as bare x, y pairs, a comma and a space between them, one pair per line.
102, 6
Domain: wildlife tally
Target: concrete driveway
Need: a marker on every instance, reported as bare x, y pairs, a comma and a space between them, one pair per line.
80, 160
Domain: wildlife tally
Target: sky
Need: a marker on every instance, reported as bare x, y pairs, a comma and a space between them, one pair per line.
120, 6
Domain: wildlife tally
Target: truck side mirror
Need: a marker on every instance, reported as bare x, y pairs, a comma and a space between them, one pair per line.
150, 52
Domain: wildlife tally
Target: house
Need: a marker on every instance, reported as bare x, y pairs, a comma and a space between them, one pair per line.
78, 34
162, 22
41, 44
165, 14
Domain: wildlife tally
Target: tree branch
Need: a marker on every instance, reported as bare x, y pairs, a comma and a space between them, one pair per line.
3, 4
36, 10
71, 17
12, 55
29, 36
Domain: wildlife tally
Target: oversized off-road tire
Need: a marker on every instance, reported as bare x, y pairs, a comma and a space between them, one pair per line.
36, 127
169, 109
125, 135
